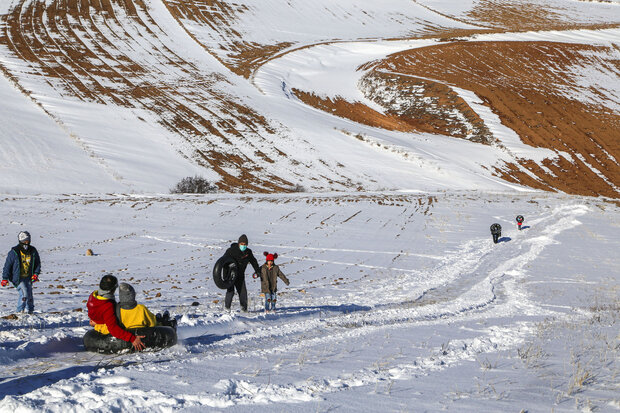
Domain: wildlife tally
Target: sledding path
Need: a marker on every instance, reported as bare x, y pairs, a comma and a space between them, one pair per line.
497, 295
409, 287
472, 281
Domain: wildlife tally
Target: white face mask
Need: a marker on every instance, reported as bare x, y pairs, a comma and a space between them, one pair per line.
243, 247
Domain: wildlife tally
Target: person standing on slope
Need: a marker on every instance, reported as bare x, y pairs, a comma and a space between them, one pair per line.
242, 255
102, 312
22, 267
269, 281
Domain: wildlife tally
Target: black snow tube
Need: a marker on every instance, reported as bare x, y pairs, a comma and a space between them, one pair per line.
154, 338
225, 272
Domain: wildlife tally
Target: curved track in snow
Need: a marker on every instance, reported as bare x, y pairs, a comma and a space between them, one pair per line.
328, 324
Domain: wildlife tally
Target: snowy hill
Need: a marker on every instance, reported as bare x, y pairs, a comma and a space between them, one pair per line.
143, 94
371, 145
399, 301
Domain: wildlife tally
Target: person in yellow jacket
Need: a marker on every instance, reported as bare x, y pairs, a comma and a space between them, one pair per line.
132, 314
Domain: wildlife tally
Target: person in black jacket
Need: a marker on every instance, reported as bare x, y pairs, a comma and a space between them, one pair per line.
242, 255
22, 267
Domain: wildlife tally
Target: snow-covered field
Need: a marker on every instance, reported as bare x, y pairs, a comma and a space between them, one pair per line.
397, 301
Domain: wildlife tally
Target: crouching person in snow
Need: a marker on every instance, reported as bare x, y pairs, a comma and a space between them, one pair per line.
22, 267
133, 315
269, 274
243, 256
102, 312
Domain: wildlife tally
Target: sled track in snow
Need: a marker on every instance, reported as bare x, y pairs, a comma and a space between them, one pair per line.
476, 282
477, 286
479, 291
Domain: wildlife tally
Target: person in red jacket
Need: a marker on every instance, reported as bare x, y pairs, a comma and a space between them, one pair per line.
101, 310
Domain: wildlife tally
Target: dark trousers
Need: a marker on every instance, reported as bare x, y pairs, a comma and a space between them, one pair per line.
241, 290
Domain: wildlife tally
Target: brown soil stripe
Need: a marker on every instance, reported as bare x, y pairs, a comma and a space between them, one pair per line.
530, 86
77, 46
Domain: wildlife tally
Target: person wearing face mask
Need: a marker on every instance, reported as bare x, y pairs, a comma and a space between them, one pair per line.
22, 267
243, 256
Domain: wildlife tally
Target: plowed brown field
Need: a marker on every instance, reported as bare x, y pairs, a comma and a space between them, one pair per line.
91, 50
533, 87
86, 49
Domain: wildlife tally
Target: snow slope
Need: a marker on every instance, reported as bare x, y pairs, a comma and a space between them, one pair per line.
147, 93
36, 151
333, 71
396, 300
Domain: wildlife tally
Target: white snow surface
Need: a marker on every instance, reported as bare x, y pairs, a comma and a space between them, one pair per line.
396, 300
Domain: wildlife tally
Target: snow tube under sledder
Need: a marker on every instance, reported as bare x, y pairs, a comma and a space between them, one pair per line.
225, 272
154, 338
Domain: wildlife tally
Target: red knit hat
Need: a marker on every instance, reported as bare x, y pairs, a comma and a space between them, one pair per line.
270, 257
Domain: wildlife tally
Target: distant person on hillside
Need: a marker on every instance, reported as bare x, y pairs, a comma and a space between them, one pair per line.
102, 312
496, 232
22, 267
269, 274
243, 256
520, 220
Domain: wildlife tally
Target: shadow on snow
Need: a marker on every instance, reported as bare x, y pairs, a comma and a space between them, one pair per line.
27, 384
188, 336
26, 349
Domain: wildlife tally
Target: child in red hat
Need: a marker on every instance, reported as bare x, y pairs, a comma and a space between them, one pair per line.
269, 280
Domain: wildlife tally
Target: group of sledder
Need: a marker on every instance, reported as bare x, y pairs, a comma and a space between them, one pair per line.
128, 325
125, 324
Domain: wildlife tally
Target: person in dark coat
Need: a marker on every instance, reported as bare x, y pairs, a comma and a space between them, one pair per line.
243, 256
22, 267
269, 281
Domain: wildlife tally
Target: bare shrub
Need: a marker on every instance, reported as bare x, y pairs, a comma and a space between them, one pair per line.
193, 185
298, 188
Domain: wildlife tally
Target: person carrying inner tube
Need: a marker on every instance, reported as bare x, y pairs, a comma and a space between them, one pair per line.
242, 255
496, 231
102, 311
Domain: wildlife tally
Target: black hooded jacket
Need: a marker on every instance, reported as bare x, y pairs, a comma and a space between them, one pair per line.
243, 258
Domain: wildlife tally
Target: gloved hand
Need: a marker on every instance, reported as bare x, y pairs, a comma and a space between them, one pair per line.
287, 283
5, 283
35, 278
